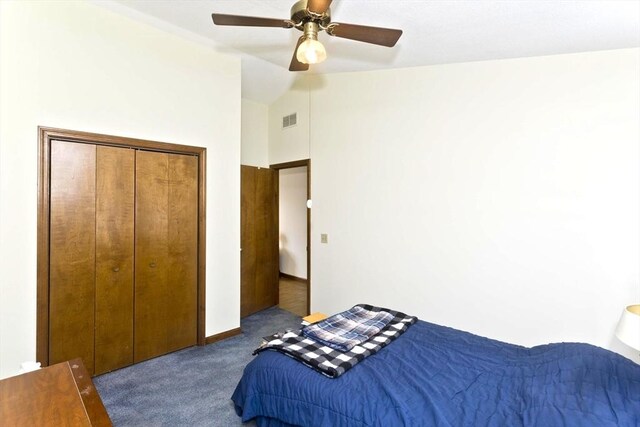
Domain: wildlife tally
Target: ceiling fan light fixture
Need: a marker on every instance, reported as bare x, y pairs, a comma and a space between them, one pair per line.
311, 51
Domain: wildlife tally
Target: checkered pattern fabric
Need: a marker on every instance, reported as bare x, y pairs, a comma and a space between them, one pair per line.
345, 330
333, 363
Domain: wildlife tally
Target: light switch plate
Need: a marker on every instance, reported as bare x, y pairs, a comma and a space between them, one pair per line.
324, 238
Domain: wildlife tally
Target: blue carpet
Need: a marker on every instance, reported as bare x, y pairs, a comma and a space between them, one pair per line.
191, 387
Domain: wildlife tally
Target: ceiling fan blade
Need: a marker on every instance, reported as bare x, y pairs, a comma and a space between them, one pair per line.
295, 64
249, 21
376, 35
318, 6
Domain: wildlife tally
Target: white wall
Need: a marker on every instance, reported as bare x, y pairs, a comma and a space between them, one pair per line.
293, 221
292, 143
498, 197
255, 134
78, 66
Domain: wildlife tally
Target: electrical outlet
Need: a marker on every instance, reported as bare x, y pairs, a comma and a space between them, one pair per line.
324, 238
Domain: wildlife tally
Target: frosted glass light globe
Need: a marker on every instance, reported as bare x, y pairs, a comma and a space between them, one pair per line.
311, 52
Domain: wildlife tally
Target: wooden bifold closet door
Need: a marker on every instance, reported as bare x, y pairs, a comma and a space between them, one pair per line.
166, 253
72, 254
123, 263
115, 202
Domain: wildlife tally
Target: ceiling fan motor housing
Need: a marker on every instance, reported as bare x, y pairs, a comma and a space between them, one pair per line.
300, 14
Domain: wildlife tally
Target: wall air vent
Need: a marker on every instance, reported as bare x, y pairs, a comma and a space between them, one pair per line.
290, 120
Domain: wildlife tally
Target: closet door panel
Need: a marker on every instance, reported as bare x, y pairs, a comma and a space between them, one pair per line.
151, 252
72, 252
115, 201
166, 269
182, 277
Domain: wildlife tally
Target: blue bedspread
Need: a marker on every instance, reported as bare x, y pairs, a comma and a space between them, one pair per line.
438, 376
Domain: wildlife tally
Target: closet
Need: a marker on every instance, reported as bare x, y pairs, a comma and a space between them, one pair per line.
123, 255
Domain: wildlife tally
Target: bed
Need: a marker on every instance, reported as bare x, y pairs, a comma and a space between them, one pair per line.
438, 376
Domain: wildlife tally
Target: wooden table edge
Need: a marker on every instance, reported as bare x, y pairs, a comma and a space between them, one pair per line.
96, 412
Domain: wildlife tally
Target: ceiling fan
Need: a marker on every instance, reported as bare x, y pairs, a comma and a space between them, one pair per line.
311, 17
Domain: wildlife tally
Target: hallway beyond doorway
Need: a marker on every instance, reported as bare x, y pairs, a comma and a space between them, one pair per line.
293, 296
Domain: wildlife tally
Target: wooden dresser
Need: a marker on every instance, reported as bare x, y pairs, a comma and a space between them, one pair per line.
59, 395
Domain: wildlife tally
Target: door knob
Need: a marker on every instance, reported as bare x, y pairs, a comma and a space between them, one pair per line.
116, 269
152, 265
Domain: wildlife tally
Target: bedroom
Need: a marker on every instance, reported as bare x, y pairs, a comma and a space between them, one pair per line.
501, 197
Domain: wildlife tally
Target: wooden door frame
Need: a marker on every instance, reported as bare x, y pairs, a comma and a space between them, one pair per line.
45, 136
297, 164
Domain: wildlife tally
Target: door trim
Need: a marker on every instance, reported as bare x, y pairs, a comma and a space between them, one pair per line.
45, 136
297, 164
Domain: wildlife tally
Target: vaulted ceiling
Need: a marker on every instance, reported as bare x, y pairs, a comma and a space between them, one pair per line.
435, 32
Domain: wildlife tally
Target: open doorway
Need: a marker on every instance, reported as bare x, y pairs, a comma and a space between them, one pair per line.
294, 252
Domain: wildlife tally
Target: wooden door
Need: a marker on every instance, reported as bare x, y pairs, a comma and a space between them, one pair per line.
72, 252
166, 267
259, 239
115, 200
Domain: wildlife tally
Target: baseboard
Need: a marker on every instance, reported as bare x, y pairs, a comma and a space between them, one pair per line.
289, 276
222, 335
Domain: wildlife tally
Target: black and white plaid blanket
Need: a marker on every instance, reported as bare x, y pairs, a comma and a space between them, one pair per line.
333, 363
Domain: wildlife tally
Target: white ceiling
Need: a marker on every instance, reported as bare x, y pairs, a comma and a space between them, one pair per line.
435, 32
